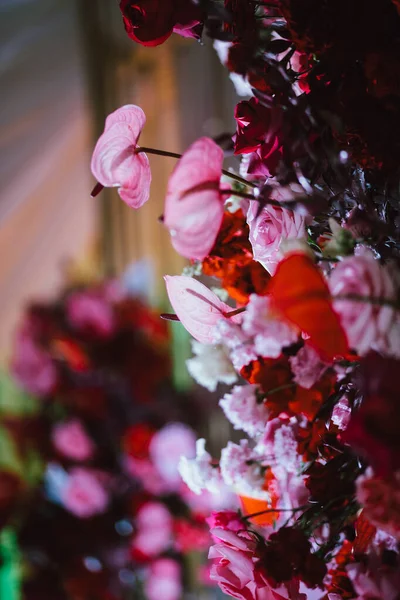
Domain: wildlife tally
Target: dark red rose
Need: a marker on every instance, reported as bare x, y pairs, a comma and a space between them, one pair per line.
288, 554
353, 26
374, 428
151, 22
259, 132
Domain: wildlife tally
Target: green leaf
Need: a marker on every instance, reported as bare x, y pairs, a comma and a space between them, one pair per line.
13, 400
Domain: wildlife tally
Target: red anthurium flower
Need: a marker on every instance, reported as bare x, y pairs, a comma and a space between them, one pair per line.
115, 162
194, 206
299, 293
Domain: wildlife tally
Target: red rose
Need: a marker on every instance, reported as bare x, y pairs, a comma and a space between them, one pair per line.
151, 22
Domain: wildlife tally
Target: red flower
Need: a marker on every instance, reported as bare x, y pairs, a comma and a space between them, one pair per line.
274, 376
137, 440
231, 260
151, 22
258, 132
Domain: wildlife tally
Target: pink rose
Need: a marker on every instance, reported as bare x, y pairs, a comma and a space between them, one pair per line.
270, 333
307, 367
367, 326
269, 229
70, 439
91, 312
166, 448
84, 495
164, 580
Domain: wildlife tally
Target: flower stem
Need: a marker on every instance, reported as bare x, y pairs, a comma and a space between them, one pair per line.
286, 386
147, 150
272, 510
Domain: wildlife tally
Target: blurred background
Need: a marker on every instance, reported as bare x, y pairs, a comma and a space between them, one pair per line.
63, 67
92, 368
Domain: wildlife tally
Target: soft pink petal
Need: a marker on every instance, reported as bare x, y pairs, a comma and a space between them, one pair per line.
114, 162
194, 219
197, 307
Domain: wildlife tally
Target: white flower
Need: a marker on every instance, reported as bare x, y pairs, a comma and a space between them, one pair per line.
198, 473
211, 365
243, 411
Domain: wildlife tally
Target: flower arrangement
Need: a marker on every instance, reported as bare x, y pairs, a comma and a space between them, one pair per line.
304, 319
92, 490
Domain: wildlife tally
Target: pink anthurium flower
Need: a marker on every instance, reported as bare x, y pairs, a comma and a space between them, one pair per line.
194, 205
115, 162
197, 307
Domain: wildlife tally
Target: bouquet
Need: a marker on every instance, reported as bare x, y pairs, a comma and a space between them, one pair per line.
302, 244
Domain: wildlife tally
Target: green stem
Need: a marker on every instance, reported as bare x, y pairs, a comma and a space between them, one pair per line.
176, 155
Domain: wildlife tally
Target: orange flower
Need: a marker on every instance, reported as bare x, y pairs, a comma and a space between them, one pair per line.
231, 260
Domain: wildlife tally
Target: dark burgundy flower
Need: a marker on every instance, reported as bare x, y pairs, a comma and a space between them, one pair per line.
347, 26
151, 22
259, 132
288, 554
373, 428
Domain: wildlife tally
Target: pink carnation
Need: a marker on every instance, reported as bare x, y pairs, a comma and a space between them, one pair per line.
307, 367
374, 580
242, 409
164, 580
241, 468
341, 414
270, 333
90, 312
269, 229
84, 495
240, 344
367, 326
380, 499
71, 440
115, 162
